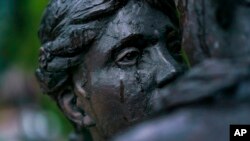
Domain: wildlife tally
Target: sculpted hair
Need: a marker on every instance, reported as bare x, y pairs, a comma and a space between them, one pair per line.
67, 30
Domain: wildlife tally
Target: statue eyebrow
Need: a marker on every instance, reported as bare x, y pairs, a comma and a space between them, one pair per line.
135, 40
139, 41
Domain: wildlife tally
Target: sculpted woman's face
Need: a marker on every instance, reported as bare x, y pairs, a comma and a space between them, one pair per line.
124, 68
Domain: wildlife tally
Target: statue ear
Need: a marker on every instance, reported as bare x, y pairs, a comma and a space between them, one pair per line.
67, 103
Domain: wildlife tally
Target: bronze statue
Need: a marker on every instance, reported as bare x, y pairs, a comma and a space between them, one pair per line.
111, 64
102, 61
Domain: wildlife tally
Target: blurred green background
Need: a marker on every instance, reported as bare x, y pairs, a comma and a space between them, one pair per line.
19, 44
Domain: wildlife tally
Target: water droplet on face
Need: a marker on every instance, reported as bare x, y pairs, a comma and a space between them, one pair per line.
121, 75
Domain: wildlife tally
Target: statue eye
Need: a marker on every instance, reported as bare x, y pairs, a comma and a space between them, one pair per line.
128, 57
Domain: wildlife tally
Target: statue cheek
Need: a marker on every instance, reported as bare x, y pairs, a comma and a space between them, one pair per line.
109, 108
135, 95
120, 95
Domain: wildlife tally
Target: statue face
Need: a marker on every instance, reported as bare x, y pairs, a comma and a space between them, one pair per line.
125, 67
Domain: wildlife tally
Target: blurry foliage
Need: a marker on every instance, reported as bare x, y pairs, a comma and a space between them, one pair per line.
19, 43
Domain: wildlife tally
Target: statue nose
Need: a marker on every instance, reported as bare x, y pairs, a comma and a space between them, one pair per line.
165, 76
167, 69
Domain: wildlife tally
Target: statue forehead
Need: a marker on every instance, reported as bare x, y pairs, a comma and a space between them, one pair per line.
136, 17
